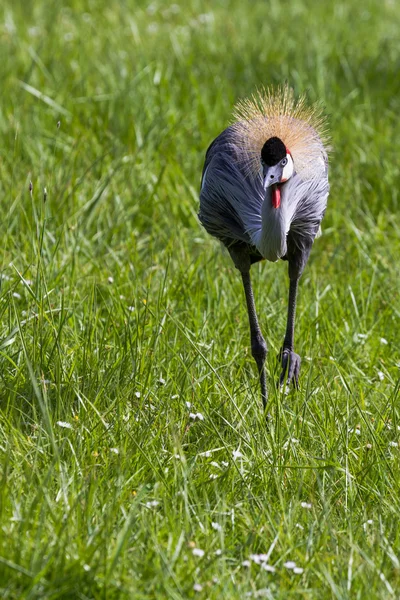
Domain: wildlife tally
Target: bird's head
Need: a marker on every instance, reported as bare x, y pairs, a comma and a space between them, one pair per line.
277, 165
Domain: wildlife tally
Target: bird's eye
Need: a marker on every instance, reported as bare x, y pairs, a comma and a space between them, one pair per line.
284, 162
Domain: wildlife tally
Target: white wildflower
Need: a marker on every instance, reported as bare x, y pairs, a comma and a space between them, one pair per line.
394, 444
298, 570
236, 454
114, 450
381, 375
307, 505
246, 563
16, 295
198, 552
383, 341
218, 552
131, 308
290, 564
137, 394
188, 404
196, 416
197, 587
64, 424
213, 476
111, 279
216, 526
161, 381
152, 504
259, 558
299, 526
268, 568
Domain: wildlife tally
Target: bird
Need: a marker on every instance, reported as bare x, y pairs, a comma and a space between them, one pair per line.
264, 192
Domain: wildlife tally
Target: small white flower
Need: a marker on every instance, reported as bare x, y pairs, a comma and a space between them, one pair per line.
131, 308
188, 404
216, 526
268, 568
215, 464
383, 341
152, 504
121, 297
137, 394
237, 454
198, 552
114, 450
307, 505
64, 424
290, 564
161, 381
381, 375
196, 416
259, 558
111, 279
218, 552
299, 526
369, 522
394, 444
86, 567
213, 476
246, 563
224, 463
298, 570
16, 295
197, 587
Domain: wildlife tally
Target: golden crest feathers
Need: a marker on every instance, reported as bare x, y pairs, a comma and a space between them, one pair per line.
276, 112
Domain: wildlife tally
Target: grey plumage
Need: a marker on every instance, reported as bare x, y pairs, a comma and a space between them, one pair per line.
231, 202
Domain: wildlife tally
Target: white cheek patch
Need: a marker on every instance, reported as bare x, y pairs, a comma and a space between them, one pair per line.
288, 168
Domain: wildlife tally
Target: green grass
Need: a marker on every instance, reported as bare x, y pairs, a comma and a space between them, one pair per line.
117, 309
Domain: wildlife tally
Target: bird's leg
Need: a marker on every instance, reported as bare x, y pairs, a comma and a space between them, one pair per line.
258, 344
290, 360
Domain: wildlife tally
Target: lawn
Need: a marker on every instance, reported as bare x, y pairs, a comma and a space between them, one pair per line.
135, 459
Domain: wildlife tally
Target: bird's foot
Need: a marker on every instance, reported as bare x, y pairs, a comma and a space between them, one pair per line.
291, 363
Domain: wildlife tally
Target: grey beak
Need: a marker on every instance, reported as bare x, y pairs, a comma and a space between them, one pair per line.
271, 175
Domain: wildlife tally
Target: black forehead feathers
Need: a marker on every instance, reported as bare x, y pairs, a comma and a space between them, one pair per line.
273, 151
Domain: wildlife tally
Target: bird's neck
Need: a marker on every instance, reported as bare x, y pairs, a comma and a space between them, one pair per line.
275, 226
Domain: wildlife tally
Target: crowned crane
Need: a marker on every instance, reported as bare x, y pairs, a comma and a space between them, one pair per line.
264, 192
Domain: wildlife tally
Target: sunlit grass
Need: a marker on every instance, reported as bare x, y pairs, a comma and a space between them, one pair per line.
135, 458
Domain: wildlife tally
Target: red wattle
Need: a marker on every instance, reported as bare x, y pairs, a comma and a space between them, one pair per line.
276, 196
